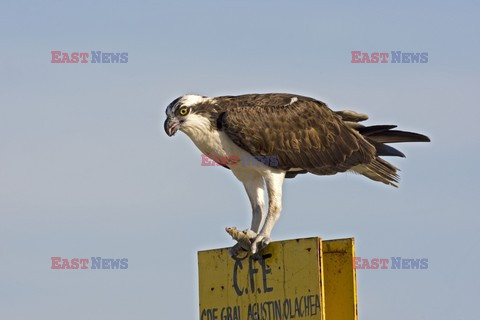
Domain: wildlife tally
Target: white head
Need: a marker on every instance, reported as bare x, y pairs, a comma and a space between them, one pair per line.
181, 110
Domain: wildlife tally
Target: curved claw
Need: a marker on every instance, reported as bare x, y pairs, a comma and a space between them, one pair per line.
260, 243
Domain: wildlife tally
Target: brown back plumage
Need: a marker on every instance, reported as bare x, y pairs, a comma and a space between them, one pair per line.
305, 134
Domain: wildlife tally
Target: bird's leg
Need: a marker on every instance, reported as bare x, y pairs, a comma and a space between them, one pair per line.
274, 182
254, 186
256, 194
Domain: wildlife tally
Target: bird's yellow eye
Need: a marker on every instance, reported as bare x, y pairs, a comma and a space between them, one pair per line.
183, 111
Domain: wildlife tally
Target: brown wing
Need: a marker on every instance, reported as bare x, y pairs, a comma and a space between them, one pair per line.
302, 132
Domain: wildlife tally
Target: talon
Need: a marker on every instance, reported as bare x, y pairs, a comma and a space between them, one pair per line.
260, 243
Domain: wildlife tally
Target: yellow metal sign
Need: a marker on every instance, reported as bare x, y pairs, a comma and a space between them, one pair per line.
285, 283
294, 279
340, 279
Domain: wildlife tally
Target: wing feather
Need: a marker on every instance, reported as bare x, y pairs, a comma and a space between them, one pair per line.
303, 132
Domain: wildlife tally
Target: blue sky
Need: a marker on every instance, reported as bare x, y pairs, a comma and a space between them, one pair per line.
86, 169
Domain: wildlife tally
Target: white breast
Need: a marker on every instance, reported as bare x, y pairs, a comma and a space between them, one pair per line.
210, 141
217, 144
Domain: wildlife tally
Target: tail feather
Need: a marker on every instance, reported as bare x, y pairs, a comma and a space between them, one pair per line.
385, 150
372, 130
394, 136
381, 134
379, 170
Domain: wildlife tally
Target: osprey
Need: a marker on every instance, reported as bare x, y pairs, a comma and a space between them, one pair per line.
303, 135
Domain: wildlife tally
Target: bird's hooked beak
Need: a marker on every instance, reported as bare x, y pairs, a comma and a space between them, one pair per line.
171, 126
